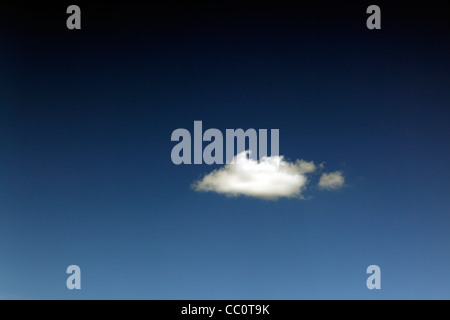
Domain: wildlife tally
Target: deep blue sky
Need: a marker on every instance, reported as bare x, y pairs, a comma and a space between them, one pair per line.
86, 176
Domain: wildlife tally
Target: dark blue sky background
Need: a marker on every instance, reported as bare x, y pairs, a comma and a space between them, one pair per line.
86, 176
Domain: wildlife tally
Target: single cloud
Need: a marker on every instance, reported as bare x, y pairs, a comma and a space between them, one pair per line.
269, 178
332, 180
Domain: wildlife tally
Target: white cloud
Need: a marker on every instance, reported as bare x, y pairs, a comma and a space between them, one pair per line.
332, 180
269, 178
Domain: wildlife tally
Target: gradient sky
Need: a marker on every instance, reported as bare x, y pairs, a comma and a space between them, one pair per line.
86, 176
